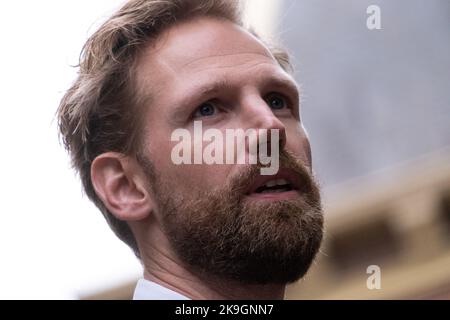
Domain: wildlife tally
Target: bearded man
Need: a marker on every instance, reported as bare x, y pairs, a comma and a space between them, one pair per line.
201, 231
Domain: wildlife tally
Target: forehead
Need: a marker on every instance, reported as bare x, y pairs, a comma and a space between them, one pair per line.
202, 49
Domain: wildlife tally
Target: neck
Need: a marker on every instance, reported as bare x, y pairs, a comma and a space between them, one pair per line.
196, 288
163, 267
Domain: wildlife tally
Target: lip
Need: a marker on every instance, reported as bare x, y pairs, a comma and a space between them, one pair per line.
286, 174
274, 196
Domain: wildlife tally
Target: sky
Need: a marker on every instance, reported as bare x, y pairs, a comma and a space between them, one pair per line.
54, 243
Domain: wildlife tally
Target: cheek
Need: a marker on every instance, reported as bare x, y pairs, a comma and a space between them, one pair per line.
197, 178
298, 143
186, 178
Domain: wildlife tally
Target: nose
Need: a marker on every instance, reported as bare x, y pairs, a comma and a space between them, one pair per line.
257, 115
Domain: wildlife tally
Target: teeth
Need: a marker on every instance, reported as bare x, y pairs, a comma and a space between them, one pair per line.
278, 182
271, 183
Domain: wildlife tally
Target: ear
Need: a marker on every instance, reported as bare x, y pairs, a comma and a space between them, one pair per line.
120, 183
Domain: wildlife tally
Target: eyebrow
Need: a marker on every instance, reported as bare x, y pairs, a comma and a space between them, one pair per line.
211, 87
284, 82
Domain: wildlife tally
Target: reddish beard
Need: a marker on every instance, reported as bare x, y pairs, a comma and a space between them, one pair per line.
222, 234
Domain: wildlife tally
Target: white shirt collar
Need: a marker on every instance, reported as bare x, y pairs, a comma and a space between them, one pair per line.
149, 290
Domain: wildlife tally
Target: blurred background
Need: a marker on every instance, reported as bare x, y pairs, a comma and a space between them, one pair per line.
376, 104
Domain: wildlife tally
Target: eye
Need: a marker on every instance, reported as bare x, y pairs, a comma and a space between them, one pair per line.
276, 101
205, 110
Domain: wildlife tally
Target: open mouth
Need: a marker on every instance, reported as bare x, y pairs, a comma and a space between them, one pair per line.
285, 182
275, 186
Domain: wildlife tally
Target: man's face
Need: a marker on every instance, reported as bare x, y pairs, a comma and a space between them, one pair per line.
216, 218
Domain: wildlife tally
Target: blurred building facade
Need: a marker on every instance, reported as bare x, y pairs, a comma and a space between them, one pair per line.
377, 107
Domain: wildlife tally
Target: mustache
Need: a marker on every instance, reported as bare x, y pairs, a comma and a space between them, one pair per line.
288, 160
